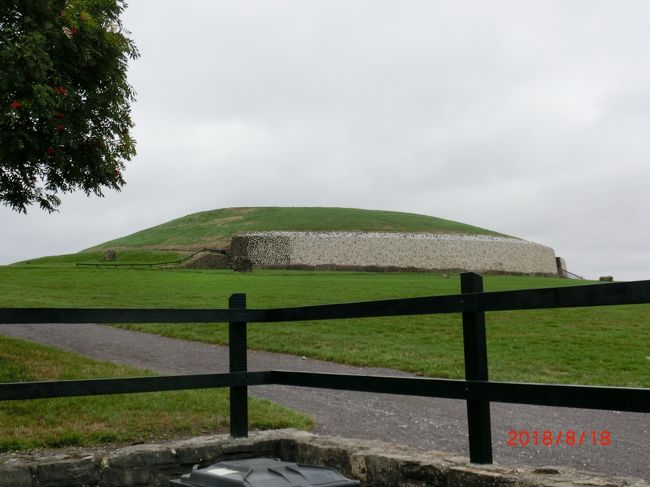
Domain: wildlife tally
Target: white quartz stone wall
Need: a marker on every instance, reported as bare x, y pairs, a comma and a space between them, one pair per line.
480, 253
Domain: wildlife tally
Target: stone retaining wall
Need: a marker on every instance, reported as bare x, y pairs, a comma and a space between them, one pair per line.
208, 260
413, 251
374, 463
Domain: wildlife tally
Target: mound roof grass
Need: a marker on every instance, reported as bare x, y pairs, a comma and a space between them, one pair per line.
215, 228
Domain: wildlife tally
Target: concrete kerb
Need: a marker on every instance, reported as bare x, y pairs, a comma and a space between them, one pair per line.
375, 463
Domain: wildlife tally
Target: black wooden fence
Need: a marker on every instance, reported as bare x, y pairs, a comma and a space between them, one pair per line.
475, 389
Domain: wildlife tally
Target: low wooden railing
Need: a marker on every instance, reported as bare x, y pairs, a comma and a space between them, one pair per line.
476, 389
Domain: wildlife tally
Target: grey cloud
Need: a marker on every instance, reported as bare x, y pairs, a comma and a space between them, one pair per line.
527, 118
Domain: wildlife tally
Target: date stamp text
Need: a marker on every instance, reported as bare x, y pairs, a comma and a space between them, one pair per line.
523, 438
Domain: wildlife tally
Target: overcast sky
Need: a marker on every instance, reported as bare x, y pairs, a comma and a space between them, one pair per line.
528, 118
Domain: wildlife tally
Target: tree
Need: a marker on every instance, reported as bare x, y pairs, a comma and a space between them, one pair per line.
64, 99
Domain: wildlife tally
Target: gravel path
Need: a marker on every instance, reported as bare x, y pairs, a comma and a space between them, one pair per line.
431, 424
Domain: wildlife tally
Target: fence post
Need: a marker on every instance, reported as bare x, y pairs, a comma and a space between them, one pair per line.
476, 368
238, 363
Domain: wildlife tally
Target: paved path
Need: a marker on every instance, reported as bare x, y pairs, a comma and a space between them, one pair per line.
431, 424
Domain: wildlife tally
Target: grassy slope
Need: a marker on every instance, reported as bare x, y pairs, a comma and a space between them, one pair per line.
214, 228
102, 419
122, 257
606, 345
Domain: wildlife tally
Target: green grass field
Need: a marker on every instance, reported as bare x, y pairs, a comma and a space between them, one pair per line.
601, 346
604, 345
53, 423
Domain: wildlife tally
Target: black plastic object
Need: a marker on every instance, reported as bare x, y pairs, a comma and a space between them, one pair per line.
263, 472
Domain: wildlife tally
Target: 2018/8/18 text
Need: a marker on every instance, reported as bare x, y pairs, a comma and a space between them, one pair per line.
549, 438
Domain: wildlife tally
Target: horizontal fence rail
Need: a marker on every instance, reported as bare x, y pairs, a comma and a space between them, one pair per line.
621, 293
97, 387
586, 397
476, 389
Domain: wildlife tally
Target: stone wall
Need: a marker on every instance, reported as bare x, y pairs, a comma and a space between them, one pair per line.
208, 260
412, 251
374, 463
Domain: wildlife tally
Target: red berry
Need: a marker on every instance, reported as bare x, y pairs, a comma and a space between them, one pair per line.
61, 90
15, 105
59, 128
51, 150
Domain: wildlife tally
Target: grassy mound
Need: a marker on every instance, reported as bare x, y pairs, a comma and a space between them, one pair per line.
215, 228
178, 238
